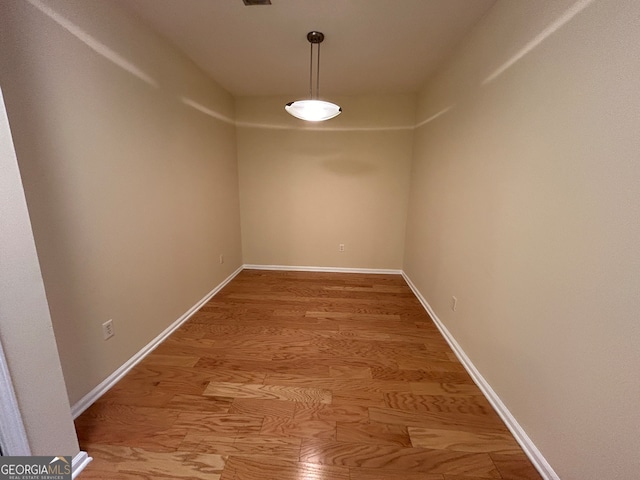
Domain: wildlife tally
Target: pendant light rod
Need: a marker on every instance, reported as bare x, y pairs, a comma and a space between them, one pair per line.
311, 71
315, 38
318, 75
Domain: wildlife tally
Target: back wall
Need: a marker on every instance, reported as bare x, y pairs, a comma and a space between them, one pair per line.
306, 188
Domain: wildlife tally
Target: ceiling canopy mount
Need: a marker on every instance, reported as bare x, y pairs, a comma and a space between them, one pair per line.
315, 37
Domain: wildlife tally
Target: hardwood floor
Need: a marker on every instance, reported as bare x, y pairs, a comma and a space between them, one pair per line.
292, 376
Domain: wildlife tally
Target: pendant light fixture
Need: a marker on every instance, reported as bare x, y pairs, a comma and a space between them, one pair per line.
313, 109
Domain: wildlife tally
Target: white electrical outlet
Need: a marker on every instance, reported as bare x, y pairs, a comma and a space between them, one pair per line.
221, 258
107, 329
341, 247
454, 302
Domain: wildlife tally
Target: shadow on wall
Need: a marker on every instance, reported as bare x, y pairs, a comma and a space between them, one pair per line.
347, 167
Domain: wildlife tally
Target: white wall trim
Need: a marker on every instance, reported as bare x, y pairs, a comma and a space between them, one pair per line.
13, 437
86, 401
79, 462
512, 424
292, 268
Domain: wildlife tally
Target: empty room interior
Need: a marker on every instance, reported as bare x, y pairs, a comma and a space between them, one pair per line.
442, 282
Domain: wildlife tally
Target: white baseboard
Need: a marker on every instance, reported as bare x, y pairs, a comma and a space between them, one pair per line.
291, 268
512, 424
86, 401
79, 462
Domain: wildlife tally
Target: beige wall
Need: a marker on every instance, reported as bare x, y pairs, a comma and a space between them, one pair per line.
130, 179
306, 188
525, 205
26, 333
523, 200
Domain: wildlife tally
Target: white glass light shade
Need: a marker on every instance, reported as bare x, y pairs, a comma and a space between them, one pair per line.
313, 110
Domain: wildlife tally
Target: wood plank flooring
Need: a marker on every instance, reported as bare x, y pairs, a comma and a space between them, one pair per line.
295, 375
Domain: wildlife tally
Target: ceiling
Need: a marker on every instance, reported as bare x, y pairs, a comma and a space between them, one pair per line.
370, 46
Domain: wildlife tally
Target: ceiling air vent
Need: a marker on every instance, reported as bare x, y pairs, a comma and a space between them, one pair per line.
256, 2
